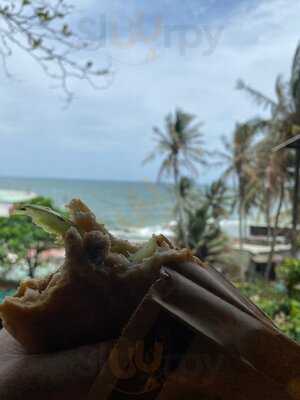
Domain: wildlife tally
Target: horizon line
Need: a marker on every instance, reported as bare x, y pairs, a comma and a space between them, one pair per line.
85, 179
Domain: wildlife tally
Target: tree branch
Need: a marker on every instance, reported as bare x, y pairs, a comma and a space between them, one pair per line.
40, 29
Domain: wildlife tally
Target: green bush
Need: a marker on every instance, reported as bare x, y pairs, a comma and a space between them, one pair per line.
283, 309
289, 273
22, 242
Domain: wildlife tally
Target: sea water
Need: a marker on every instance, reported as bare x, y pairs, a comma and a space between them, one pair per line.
132, 210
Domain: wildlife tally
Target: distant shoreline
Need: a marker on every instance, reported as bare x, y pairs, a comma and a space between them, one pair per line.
133, 210
96, 180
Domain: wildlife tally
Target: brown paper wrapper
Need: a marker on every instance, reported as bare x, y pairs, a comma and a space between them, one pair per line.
194, 336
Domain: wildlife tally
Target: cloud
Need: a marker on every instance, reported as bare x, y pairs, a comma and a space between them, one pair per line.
107, 133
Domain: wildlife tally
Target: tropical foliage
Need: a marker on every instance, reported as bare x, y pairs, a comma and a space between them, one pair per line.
280, 305
22, 243
289, 273
203, 212
180, 147
272, 169
238, 158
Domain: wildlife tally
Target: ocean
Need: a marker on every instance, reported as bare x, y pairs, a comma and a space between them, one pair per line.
131, 210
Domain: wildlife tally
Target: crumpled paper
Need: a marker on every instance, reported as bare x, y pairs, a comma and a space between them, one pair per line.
194, 336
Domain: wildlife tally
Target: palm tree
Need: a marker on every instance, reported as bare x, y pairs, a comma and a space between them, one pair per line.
205, 235
285, 116
272, 174
285, 109
238, 156
188, 196
181, 148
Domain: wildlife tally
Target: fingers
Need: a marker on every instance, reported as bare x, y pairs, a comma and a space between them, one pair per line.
9, 349
49, 376
80, 365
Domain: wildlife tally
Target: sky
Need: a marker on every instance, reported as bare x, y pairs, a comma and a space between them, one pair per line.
186, 53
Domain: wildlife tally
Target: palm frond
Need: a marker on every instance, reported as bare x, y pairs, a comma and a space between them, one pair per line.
161, 136
295, 79
283, 98
261, 99
180, 144
149, 158
190, 166
165, 168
